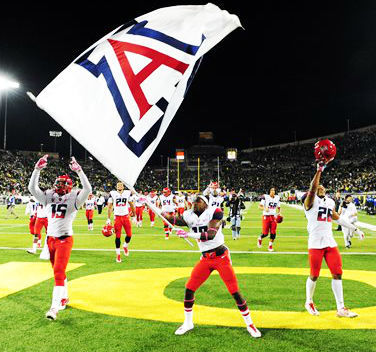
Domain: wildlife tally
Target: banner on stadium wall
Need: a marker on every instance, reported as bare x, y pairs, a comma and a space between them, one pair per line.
119, 96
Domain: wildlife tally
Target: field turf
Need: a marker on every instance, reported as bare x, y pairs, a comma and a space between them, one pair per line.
22, 309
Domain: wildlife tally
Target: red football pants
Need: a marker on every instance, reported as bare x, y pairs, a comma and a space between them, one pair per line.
60, 250
32, 225
39, 224
332, 257
122, 222
180, 211
151, 215
269, 225
89, 214
139, 211
204, 268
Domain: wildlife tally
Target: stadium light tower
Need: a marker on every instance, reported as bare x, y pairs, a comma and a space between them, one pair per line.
6, 85
55, 134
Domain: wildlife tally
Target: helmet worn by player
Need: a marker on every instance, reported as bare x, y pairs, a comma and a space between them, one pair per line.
166, 191
63, 185
107, 230
279, 218
325, 150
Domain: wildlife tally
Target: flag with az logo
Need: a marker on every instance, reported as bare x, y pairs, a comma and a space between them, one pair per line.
118, 97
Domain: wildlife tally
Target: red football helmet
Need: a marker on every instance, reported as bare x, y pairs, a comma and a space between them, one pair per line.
63, 184
325, 150
279, 219
166, 191
107, 230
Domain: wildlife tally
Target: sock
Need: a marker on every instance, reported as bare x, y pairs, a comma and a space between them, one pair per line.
65, 288
270, 244
125, 245
233, 234
310, 289
117, 251
57, 295
338, 293
244, 311
35, 246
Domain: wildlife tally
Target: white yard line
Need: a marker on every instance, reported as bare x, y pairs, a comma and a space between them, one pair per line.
187, 251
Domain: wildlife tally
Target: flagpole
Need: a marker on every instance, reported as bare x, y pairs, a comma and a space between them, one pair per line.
168, 171
198, 174
218, 169
178, 175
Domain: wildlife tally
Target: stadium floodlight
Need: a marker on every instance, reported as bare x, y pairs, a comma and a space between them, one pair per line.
5, 85
55, 134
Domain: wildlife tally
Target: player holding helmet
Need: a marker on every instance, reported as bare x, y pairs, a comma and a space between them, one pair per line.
61, 204
319, 211
118, 202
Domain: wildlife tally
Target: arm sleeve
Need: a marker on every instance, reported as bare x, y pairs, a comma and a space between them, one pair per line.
34, 189
86, 190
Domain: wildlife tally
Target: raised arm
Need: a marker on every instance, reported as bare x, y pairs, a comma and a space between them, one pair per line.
33, 187
308, 202
86, 187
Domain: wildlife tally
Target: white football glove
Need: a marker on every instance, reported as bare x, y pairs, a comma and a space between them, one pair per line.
74, 165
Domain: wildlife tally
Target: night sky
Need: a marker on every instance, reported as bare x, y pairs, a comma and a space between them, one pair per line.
296, 67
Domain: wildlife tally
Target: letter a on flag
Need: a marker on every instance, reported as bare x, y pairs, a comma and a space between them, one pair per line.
118, 97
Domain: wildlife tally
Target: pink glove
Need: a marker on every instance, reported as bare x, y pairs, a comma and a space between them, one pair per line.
74, 165
181, 233
42, 162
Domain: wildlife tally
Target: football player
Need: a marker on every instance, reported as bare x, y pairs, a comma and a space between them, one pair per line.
139, 203
320, 211
90, 205
270, 207
61, 205
152, 198
167, 204
41, 221
118, 203
181, 203
348, 210
205, 225
31, 210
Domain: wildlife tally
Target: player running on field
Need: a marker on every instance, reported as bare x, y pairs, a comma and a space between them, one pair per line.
271, 208
205, 225
153, 199
319, 211
167, 204
61, 204
31, 210
118, 202
41, 220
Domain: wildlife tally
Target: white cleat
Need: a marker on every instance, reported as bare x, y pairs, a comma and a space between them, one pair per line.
346, 313
63, 303
254, 331
126, 251
311, 308
270, 249
31, 251
259, 242
183, 329
166, 237
52, 314
118, 259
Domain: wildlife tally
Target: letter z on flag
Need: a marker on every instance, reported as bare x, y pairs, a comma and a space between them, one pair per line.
118, 97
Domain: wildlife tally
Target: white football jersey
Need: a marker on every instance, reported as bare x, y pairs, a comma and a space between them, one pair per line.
181, 201
100, 200
140, 201
61, 211
215, 201
167, 203
90, 204
152, 200
41, 211
200, 224
270, 203
31, 208
350, 212
320, 234
120, 202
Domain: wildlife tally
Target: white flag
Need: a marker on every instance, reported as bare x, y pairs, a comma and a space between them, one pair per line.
118, 98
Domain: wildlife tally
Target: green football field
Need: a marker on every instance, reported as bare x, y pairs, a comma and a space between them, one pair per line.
137, 305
